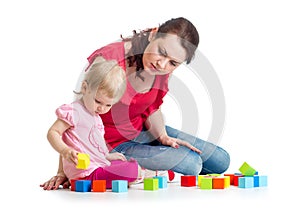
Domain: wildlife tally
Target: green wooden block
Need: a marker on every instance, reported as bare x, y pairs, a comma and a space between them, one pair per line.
247, 170
151, 184
213, 174
206, 183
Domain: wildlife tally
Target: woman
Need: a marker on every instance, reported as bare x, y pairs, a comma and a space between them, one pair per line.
134, 126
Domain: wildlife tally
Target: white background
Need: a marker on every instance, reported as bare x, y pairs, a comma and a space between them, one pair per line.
252, 45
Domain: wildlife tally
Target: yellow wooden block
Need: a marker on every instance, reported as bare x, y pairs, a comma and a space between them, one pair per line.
83, 161
227, 181
199, 179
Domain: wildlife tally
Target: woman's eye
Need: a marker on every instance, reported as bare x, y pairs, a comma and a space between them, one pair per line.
173, 63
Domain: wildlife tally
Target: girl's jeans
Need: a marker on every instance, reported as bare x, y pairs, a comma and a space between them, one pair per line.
151, 154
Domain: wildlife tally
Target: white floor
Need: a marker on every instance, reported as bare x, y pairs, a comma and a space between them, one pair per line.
136, 198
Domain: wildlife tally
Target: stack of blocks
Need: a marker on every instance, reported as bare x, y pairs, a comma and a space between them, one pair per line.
248, 178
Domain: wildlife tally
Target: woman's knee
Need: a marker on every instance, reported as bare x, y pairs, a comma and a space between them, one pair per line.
217, 162
225, 157
190, 165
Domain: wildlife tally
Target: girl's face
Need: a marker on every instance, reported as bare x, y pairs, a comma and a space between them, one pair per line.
96, 102
163, 55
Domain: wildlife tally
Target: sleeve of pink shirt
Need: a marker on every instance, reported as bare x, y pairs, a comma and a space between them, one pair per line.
66, 113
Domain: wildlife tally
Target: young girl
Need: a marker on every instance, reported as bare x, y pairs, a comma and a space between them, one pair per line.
79, 128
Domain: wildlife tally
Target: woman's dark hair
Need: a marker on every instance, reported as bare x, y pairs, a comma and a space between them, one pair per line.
181, 27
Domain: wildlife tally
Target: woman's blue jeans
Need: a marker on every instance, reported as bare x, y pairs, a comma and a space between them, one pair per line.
152, 155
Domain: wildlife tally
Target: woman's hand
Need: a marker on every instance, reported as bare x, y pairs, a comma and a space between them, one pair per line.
115, 156
175, 143
55, 182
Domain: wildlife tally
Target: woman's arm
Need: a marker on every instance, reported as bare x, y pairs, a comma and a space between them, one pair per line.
156, 126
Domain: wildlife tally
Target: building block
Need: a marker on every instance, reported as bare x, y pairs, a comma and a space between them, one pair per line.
188, 180
206, 183
83, 186
99, 186
162, 181
199, 179
246, 182
247, 170
213, 175
218, 182
83, 161
236, 179
151, 184
255, 181
231, 177
119, 186
263, 181
73, 184
226, 181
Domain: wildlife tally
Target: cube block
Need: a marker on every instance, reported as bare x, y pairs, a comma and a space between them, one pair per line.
218, 182
151, 184
99, 186
119, 186
247, 170
83, 161
188, 180
206, 183
83, 186
246, 182
162, 181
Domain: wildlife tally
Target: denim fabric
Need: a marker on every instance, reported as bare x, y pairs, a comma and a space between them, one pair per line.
152, 155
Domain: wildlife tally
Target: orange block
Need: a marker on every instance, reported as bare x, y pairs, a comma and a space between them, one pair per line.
218, 183
99, 186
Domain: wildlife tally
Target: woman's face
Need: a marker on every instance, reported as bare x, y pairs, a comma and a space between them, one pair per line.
163, 55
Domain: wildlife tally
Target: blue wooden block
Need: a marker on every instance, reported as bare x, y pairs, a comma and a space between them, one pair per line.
263, 181
162, 181
246, 182
256, 181
119, 186
83, 185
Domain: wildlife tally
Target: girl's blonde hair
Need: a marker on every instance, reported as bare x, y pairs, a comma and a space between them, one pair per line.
107, 76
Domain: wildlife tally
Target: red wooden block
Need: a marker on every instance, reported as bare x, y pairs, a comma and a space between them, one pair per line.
99, 186
188, 180
73, 181
231, 178
236, 179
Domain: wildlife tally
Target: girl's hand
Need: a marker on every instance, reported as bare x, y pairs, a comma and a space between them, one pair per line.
70, 155
173, 142
55, 182
115, 156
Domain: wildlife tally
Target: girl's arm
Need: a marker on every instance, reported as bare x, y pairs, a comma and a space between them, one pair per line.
56, 181
156, 126
54, 137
